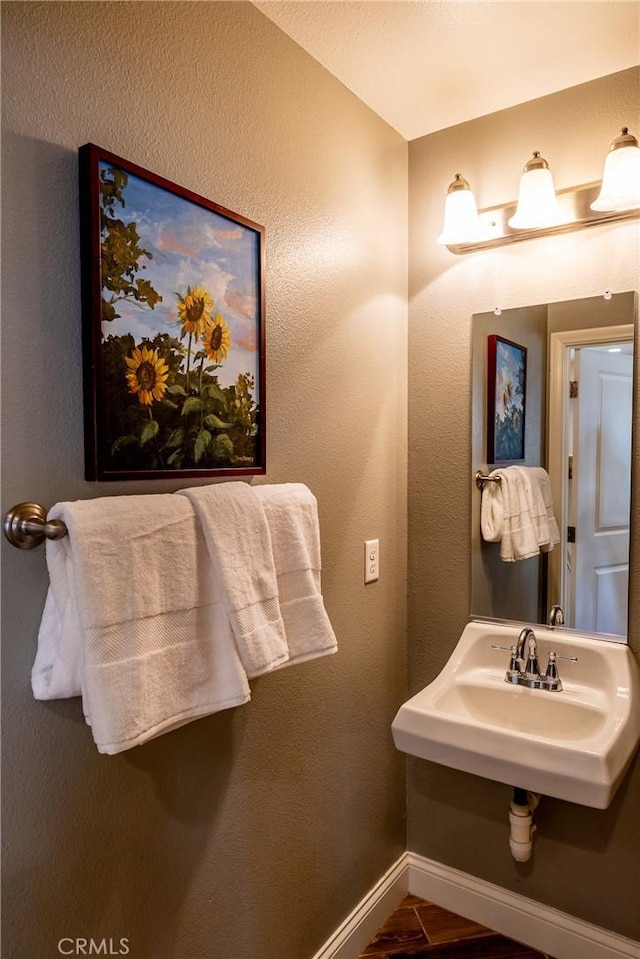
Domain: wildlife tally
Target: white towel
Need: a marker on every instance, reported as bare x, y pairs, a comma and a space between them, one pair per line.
239, 544
505, 516
133, 620
292, 515
540, 478
537, 507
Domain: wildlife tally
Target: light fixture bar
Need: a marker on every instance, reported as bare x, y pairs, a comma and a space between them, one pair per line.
494, 229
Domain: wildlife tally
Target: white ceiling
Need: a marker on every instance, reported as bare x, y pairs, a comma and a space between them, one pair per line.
424, 65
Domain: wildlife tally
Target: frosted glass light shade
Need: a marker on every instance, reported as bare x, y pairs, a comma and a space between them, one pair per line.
460, 214
537, 203
620, 188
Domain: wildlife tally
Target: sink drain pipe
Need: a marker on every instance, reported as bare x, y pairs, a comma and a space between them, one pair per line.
521, 822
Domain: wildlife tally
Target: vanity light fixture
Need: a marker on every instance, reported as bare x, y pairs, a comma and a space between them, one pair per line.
541, 210
460, 214
620, 188
537, 203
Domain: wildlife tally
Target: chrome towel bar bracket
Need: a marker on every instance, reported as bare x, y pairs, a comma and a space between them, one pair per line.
481, 479
26, 526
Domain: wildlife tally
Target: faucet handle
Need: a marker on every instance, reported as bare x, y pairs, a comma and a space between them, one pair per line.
551, 679
513, 670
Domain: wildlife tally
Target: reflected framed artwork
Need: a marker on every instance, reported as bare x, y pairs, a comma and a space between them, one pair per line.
173, 328
506, 400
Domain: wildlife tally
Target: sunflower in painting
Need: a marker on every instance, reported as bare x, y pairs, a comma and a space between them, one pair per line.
194, 310
216, 339
147, 374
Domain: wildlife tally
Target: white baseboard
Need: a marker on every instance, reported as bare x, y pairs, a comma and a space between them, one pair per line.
541, 927
515, 916
361, 925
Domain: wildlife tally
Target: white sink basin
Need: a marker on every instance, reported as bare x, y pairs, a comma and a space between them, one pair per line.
575, 744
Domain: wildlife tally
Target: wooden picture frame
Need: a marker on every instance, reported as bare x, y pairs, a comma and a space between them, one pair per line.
173, 328
506, 400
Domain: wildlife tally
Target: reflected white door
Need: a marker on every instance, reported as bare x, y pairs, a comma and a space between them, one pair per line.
602, 484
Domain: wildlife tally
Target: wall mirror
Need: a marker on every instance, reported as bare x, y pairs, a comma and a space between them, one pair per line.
573, 377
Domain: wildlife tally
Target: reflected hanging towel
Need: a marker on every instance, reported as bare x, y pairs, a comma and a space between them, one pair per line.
540, 479
505, 516
518, 513
134, 620
537, 509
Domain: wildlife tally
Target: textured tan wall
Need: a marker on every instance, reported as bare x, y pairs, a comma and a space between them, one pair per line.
586, 861
251, 833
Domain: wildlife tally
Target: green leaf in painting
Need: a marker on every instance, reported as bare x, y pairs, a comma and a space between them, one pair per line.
145, 292
214, 422
214, 392
191, 405
223, 447
176, 438
121, 442
176, 390
108, 311
149, 431
202, 442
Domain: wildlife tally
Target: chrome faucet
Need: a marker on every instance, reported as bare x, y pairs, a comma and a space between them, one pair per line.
556, 616
526, 633
523, 667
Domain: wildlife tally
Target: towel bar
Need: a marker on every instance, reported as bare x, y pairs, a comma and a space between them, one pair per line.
26, 526
481, 479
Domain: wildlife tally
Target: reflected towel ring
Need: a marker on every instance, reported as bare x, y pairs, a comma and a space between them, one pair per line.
481, 479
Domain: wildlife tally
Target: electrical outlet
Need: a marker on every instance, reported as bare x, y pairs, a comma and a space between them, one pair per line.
371, 560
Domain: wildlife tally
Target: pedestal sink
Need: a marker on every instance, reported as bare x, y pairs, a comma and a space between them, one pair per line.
575, 744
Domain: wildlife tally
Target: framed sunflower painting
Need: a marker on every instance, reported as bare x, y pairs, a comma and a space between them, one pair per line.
173, 323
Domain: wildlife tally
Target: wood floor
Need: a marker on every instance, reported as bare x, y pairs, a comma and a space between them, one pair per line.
419, 928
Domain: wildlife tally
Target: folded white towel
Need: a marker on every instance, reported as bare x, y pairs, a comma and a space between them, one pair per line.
540, 478
505, 516
239, 544
536, 506
292, 515
134, 621
492, 508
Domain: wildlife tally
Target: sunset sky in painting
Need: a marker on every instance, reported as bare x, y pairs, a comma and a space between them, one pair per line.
192, 246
